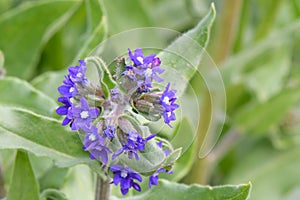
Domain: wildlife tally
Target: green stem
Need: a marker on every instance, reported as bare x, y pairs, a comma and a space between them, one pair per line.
225, 29
103, 189
231, 138
238, 44
267, 23
200, 169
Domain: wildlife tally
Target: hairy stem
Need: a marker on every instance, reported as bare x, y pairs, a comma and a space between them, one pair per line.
103, 189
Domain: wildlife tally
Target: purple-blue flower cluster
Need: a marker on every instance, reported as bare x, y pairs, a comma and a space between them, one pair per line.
143, 69
108, 137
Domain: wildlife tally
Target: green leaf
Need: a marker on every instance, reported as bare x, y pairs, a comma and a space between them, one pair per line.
23, 184
183, 56
183, 137
258, 118
1, 59
53, 194
175, 191
277, 174
97, 32
22, 48
7, 164
123, 15
42, 136
48, 82
53, 178
150, 159
103, 74
245, 60
79, 184
18, 93
97, 28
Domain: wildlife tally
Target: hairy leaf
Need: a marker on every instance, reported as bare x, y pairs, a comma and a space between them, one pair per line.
170, 190
42, 136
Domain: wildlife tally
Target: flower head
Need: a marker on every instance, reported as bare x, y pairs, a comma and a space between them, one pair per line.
83, 115
95, 144
126, 177
167, 100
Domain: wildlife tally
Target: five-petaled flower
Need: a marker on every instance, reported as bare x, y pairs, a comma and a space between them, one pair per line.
125, 176
83, 115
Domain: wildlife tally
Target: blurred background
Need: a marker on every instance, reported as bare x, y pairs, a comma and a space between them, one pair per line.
254, 43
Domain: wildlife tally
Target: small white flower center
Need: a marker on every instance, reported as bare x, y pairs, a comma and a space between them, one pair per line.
123, 174
140, 59
71, 89
148, 72
166, 100
84, 114
169, 114
79, 75
92, 137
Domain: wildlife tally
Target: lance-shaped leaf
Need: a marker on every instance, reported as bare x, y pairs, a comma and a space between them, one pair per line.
23, 184
183, 56
42, 136
18, 93
176, 191
23, 47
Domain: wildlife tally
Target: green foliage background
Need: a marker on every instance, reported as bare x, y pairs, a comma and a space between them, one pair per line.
255, 45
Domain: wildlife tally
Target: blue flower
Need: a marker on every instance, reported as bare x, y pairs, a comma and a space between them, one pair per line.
153, 179
139, 59
149, 74
167, 100
95, 144
134, 143
65, 110
125, 176
77, 73
109, 132
83, 115
68, 89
